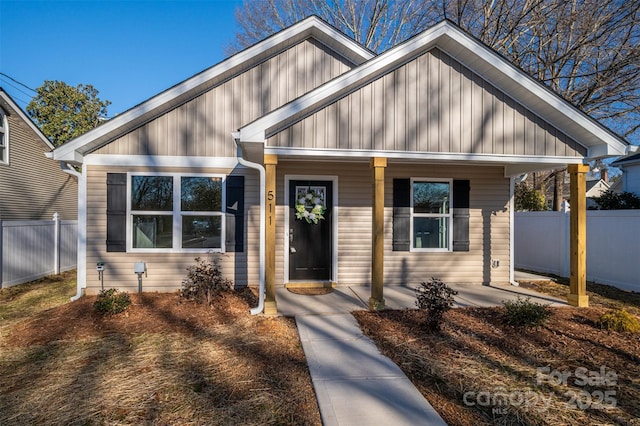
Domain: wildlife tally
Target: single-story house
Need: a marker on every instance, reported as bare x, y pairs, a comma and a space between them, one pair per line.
308, 159
630, 179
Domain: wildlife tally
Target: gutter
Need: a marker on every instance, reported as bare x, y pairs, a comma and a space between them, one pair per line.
263, 229
80, 263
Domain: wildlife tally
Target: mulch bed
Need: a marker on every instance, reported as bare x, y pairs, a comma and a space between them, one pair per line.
476, 358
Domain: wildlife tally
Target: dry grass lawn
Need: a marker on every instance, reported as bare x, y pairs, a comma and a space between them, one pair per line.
163, 361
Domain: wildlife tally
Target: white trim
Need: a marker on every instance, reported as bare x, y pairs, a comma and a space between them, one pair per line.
485, 62
4, 132
508, 72
449, 216
81, 279
263, 229
159, 161
26, 119
421, 156
176, 215
194, 85
334, 224
512, 206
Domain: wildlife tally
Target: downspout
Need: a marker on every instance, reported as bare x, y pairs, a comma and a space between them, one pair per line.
263, 227
82, 213
512, 206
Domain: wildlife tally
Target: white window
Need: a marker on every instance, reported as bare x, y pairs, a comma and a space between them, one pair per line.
175, 212
4, 138
431, 215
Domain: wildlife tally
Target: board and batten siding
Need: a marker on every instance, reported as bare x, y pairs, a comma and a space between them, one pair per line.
489, 224
430, 104
203, 126
33, 187
165, 270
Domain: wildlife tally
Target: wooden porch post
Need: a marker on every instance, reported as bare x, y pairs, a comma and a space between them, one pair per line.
270, 306
376, 301
578, 236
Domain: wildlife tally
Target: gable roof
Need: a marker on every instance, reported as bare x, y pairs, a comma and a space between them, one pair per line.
475, 55
11, 107
629, 160
74, 150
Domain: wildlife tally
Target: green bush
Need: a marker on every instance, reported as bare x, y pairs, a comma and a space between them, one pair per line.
436, 298
111, 301
204, 281
525, 313
610, 200
528, 199
619, 320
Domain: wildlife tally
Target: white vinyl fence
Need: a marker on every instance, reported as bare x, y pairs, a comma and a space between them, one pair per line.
32, 249
613, 245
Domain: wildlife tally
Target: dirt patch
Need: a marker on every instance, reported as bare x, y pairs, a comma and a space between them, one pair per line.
480, 371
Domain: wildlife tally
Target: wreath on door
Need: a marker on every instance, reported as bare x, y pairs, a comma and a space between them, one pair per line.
310, 207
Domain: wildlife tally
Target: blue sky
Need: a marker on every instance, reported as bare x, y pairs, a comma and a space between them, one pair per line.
128, 50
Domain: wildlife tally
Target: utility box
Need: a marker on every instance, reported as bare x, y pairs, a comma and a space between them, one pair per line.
140, 268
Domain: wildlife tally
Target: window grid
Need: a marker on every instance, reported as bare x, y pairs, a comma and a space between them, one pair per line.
4, 138
176, 213
445, 239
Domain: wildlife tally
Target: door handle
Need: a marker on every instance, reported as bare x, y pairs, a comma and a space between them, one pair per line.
291, 235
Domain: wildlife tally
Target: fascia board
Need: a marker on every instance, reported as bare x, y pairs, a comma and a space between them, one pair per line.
628, 160
114, 127
26, 119
334, 88
473, 54
494, 64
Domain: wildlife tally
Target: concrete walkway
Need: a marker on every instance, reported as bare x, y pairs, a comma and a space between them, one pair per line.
354, 383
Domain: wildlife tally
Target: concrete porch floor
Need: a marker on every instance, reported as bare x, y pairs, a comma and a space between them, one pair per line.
350, 298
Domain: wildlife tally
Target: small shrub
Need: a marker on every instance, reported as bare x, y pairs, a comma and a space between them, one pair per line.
204, 281
111, 302
619, 320
525, 313
436, 298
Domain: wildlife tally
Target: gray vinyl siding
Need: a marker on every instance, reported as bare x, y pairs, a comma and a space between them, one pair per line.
33, 187
489, 224
165, 270
430, 104
203, 126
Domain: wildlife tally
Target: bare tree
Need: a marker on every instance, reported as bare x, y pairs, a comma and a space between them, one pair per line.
587, 51
376, 24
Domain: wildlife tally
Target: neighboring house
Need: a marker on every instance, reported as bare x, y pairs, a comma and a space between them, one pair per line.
409, 156
32, 187
595, 188
630, 179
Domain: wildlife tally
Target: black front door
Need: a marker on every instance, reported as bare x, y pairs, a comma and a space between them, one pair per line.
310, 230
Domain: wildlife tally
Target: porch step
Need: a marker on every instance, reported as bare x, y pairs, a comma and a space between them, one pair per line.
311, 284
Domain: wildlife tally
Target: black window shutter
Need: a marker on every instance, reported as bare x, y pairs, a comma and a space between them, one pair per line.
116, 212
461, 190
401, 214
234, 239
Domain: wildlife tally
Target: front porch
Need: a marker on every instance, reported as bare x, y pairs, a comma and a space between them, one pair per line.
490, 220
351, 298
